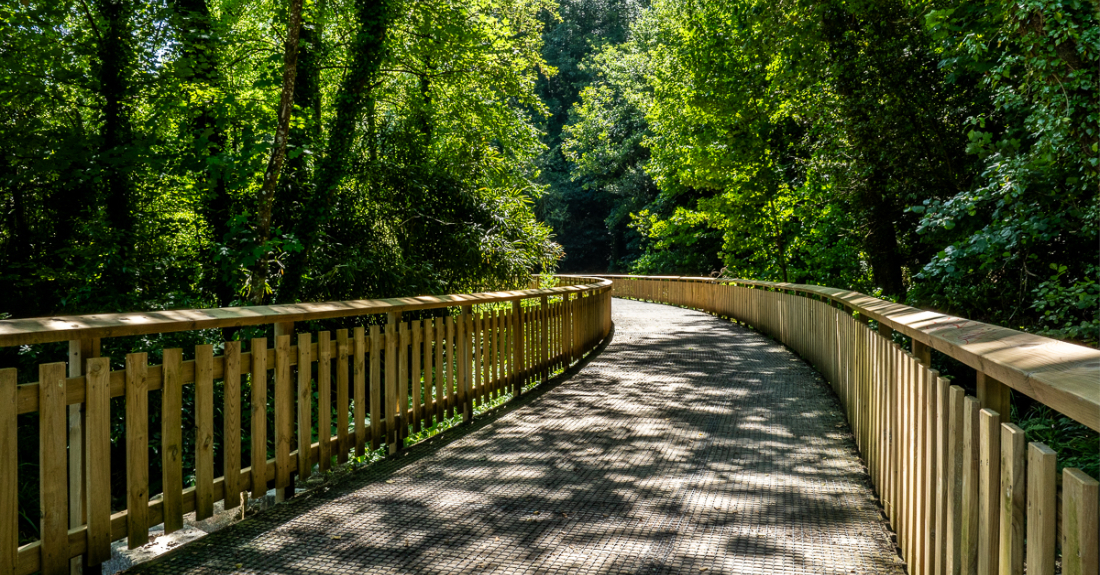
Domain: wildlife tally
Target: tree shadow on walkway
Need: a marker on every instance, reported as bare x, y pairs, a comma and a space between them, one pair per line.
688, 443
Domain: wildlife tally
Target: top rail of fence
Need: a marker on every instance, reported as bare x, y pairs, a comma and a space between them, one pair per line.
38, 330
1061, 375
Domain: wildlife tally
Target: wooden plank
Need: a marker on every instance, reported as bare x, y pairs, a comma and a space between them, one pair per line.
97, 450
476, 354
544, 339
930, 471
376, 423
495, 367
417, 376
1042, 491
171, 437
989, 482
360, 390
258, 420
324, 400
342, 352
9, 471
403, 383
517, 349
79, 350
204, 431
943, 474
52, 463
284, 415
451, 363
465, 329
438, 402
971, 469
305, 405
232, 428
1013, 501
31, 331
393, 424
994, 395
955, 458
1080, 543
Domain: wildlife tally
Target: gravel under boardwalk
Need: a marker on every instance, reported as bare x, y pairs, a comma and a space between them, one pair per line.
689, 444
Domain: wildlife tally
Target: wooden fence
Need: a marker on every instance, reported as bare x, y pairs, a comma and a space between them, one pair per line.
383, 381
963, 490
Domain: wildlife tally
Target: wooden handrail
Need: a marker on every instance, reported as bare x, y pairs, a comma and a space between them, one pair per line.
1061, 375
30, 331
410, 371
960, 484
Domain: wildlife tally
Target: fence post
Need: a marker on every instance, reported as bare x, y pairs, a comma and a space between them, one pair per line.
517, 348
922, 352
994, 395
282, 494
465, 358
80, 350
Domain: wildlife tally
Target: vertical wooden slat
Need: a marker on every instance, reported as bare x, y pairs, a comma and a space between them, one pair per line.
342, 352
989, 482
956, 409
943, 468
416, 376
1042, 492
284, 418
402, 383
390, 398
324, 400
376, 424
79, 350
305, 405
544, 341
9, 476
477, 353
930, 471
204, 431
171, 438
994, 395
1012, 500
52, 474
465, 359
451, 364
258, 421
440, 392
137, 449
971, 445
1080, 542
360, 348
97, 451
517, 348
232, 428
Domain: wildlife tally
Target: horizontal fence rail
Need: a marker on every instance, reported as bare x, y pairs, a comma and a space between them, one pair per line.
963, 490
382, 380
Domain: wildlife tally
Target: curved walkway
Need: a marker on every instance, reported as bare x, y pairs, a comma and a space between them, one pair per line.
688, 445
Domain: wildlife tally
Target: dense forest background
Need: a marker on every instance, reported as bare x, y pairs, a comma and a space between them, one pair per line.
202, 153
942, 153
147, 163
179, 153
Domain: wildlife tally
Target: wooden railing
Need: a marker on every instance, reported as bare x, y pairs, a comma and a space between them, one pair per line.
390, 379
962, 488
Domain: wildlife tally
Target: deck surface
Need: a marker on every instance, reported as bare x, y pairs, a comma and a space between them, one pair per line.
689, 444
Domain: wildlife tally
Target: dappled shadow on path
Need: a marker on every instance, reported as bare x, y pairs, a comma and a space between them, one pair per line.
688, 444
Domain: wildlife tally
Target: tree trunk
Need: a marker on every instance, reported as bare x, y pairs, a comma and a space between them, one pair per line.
115, 54
278, 150
208, 139
366, 60
295, 189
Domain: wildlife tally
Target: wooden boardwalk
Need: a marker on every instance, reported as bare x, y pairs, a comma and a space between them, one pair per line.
687, 445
